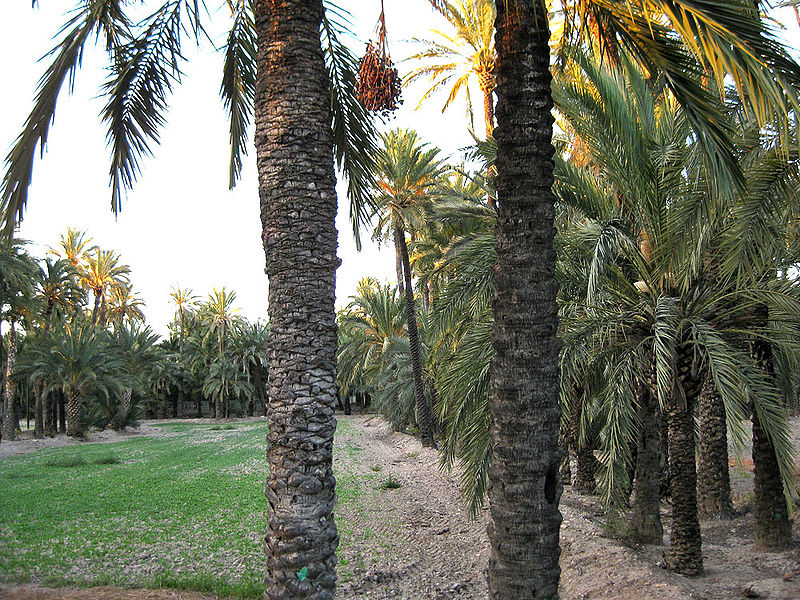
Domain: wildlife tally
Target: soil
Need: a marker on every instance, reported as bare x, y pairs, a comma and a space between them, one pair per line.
416, 541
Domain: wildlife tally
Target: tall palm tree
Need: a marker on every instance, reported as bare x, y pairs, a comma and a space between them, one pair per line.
220, 319
17, 271
523, 487
101, 274
74, 247
407, 172
184, 300
285, 70
457, 58
125, 305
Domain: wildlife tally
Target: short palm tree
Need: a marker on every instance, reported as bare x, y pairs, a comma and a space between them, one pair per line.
133, 347
407, 172
78, 363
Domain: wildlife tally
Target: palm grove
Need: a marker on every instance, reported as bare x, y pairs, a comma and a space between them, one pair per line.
592, 290
78, 352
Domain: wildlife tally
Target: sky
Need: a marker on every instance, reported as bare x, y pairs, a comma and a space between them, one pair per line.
181, 225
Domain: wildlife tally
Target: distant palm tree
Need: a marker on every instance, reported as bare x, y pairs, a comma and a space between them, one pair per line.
407, 172
133, 347
125, 305
74, 247
453, 60
58, 289
373, 318
220, 321
184, 301
101, 274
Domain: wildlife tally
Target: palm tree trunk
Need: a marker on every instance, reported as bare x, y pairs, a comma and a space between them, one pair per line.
685, 553
713, 477
773, 527
488, 106
9, 416
96, 307
586, 462
38, 416
523, 478
646, 518
123, 410
74, 425
298, 209
50, 417
398, 266
424, 416
62, 412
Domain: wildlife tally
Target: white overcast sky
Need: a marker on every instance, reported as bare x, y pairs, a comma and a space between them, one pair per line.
181, 224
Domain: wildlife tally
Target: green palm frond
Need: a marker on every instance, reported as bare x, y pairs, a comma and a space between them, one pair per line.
238, 87
142, 74
354, 132
91, 17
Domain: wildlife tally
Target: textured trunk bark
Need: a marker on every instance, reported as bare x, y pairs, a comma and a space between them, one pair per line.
523, 478
74, 425
61, 407
586, 464
38, 419
564, 470
685, 553
424, 416
713, 477
123, 409
398, 266
646, 518
50, 416
773, 527
298, 209
96, 307
488, 109
9, 416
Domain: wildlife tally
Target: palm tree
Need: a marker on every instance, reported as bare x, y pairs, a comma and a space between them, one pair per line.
125, 305
406, 173
17, 270
58, 289
219, 317
74, 247
457, 58
524, 491
184, 301
78, 363
101, 274
134, 349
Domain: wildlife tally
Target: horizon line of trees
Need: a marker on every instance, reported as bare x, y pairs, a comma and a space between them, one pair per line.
78, 353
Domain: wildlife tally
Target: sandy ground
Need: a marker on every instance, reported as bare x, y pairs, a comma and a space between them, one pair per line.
416, 541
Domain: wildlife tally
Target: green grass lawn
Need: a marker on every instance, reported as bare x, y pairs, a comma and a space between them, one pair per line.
185, 511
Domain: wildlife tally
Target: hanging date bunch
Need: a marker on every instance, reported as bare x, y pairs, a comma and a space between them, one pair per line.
378, 87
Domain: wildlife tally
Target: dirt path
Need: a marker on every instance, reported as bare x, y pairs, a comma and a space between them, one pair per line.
422, 545
416, 541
